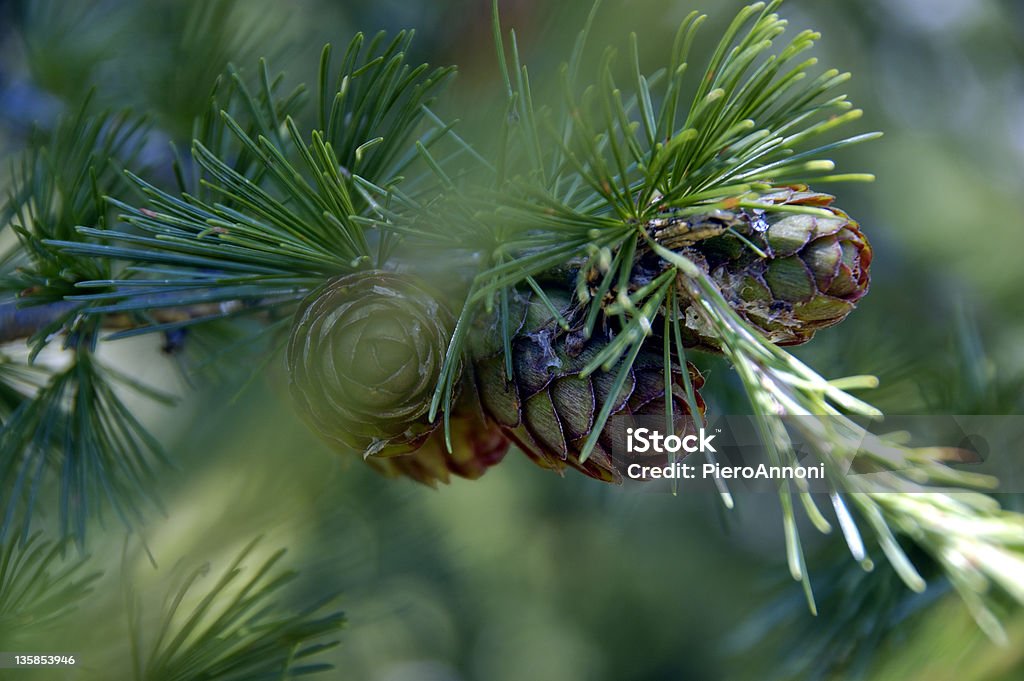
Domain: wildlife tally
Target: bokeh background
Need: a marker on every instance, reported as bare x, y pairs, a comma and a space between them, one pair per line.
523, 574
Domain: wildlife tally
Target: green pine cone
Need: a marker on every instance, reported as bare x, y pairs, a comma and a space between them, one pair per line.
816, 268
548, 408
364, 357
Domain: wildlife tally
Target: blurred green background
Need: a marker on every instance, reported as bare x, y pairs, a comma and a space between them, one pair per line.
523, 574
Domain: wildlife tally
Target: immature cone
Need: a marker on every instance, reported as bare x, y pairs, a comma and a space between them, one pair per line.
816, 268
548, 407
365, 355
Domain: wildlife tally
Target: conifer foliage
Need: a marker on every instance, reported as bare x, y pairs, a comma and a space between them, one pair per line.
591, 245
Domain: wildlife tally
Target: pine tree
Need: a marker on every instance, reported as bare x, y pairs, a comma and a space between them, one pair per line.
592, 246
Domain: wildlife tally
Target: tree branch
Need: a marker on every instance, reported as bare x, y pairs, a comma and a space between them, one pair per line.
20, 323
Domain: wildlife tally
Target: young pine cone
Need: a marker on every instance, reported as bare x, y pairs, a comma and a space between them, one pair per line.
815, 270
548, 407
364, 358
364, 354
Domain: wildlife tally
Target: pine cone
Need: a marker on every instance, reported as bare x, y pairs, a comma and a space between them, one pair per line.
364, 356
548, 408
816, 268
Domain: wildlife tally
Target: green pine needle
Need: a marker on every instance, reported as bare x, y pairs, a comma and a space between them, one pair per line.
237, 631
38, 586
76, 435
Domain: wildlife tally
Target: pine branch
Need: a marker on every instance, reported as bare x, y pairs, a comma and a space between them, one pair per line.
613, 169
60, 184
859, 612
77, 433
616, 185
263, 216
288, 211
68, 427
588, 180
237, 630
19, 323
38, 586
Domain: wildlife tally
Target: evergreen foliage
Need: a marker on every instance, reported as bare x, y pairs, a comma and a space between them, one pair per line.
281, 192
